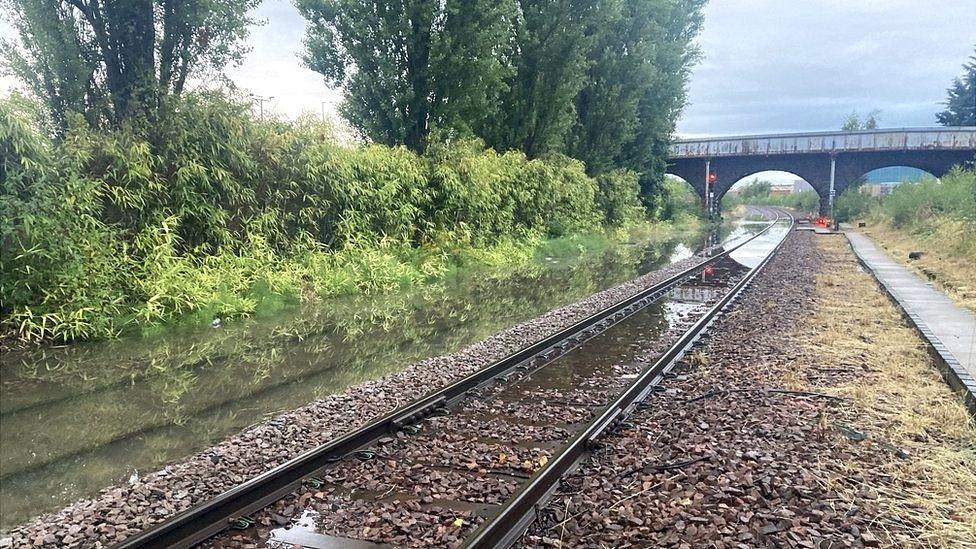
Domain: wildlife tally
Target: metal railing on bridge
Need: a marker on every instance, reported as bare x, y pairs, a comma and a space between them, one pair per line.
890, 139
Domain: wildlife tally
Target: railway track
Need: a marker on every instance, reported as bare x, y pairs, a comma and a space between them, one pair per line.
470, 464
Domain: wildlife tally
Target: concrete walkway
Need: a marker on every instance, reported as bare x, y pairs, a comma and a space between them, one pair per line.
949, 328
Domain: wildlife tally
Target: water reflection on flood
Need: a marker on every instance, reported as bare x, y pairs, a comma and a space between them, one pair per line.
77, 419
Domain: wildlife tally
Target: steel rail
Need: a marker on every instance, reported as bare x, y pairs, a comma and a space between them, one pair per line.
511, 521
210, 517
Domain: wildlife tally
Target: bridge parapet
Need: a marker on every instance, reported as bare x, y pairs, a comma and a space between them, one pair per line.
899, 139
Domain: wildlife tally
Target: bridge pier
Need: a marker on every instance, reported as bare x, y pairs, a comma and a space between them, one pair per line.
829, 161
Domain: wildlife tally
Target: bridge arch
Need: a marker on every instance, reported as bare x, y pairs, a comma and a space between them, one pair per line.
775, 177
815, 157
683, 181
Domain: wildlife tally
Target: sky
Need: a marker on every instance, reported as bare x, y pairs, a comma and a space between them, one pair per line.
768, 65
777, 66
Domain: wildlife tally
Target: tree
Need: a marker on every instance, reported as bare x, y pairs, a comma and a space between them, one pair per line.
547, 53
662, 101
413, 67
961, 100
114, 60
621, 68
853, 121
756, 189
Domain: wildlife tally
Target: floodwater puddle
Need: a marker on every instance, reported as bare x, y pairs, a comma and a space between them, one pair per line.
76, 419
608, 359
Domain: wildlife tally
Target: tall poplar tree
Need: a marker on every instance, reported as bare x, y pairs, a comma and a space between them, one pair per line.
412, 67
621, 69
117, 59
661, 102
548, 55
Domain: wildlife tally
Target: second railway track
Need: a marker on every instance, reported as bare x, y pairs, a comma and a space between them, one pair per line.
469, 464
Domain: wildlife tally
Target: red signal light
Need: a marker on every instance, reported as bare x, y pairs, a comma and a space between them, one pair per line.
712, 178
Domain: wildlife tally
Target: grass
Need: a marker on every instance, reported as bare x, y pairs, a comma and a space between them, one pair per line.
948, 259
936, 217
899, 399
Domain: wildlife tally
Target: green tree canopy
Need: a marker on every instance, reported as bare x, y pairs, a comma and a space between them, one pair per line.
621, 68
411, 67
662, 101
601, 81
854, 123
548, 55
961, 100
115, 59
756, 189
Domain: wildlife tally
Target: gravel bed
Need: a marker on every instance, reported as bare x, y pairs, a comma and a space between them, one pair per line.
451, 464
123, 510
724, 457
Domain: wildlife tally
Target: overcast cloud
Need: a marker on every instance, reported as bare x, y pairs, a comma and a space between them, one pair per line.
769, 65
777, 66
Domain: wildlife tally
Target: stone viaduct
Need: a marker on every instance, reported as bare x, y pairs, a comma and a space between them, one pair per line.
829, 161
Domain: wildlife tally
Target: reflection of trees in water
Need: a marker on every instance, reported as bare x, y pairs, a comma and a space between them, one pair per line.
183, 391
189, 370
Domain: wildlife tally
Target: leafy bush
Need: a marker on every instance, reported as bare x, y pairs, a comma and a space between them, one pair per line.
853, 203
216, 213
758, 193
680, 200
617, 197
953, 196
941, 213
913, 205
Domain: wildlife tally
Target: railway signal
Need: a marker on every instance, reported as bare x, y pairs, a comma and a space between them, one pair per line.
709, 185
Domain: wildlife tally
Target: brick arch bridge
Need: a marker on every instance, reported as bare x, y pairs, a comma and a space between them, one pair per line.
826, 160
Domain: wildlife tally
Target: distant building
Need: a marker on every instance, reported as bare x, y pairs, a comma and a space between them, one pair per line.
879, 183
793, 187
878, 190
800, 186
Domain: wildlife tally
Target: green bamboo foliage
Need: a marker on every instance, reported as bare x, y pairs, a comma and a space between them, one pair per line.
214, 213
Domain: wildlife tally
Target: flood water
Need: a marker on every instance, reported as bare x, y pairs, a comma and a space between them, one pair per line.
76, 419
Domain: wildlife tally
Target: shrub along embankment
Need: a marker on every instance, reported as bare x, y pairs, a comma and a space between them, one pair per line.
936, 217
803, 201
214, 213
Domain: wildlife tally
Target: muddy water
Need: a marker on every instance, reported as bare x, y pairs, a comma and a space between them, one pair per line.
74, 420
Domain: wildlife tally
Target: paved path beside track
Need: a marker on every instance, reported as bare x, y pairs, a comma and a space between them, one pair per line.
949, 328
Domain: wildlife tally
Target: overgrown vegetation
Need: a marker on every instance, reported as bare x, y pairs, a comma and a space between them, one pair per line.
937, 216
218, 214
759, 193
679, 201
916, 207
128, 203
600, 81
